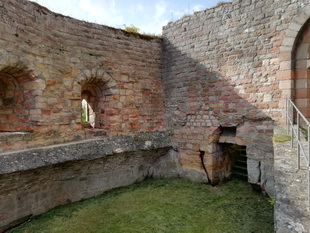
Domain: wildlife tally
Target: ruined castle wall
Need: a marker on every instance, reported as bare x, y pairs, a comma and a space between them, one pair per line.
220, 71
51, 59
36, 180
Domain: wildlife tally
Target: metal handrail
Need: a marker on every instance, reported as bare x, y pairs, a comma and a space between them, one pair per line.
292, 113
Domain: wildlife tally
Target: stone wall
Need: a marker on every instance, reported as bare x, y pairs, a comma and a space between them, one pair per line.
224, 68
49, 62
223, 78
36, 180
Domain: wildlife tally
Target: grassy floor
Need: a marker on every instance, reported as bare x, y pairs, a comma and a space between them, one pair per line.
175, 206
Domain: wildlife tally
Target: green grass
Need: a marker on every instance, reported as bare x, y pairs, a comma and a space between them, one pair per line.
175, 206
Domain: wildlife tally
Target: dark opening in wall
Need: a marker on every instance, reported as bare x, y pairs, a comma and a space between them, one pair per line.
228, 131
234, 161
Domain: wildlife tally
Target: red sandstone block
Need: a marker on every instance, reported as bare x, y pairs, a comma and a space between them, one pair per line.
133, 117
301, 74
308, 73
114, 118
4, 118
284, 75
273, 105
65, 120
302, 51
302, 93
6, 127
285, 65
301, 83
36, 118
129, 92
111, 111
50, 82
56, 111
69, 133
63, 128
116, 97
301, 64
13, 119
135, 125
285, 56
306, 36
285, 84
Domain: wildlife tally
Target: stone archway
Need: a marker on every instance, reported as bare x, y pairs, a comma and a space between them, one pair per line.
301, 64
293, 74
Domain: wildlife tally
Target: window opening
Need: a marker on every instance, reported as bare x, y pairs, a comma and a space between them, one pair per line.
85, 111
88, 109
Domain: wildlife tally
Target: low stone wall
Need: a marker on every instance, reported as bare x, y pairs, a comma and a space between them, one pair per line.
36, 180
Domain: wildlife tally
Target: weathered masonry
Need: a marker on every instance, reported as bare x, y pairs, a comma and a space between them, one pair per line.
85, 107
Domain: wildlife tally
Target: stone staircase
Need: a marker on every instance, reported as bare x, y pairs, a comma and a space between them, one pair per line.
291, 187
239, 167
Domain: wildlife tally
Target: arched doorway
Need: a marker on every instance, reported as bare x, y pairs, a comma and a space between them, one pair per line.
293, 74
301, 65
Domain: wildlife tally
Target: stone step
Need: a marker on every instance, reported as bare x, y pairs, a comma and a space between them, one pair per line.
241, 169
240, 163
242, 158
240, 176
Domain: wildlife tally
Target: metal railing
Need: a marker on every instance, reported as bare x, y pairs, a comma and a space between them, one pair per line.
298, 124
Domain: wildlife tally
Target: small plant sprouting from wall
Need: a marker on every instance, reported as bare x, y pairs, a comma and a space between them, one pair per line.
220, 3
272, 201
136, 31
131, 29
304, 131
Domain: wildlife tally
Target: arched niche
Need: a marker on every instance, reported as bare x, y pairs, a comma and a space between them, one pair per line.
94, 86
11, 99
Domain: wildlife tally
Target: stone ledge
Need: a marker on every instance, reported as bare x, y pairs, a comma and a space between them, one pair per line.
290, 211
82, 150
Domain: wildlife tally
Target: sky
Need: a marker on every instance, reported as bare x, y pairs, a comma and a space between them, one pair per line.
147, 15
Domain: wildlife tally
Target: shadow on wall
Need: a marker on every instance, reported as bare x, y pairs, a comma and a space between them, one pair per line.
201, 102
15, 97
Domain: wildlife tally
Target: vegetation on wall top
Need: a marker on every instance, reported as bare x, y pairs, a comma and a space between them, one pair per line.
133, 30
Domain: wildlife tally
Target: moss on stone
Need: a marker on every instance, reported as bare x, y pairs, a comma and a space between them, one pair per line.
281, 138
